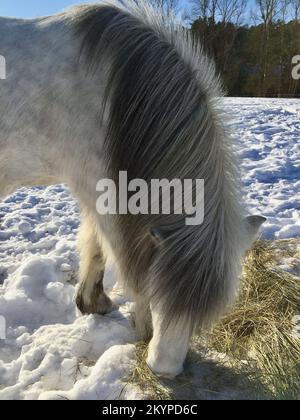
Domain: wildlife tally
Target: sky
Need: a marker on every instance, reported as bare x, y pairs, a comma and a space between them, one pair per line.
35, 8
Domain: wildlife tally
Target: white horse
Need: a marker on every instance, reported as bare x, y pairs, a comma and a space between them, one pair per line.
107, 88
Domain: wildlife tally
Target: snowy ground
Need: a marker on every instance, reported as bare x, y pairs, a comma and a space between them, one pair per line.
268, 134
50, 351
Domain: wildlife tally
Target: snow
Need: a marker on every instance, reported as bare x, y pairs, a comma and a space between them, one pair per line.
48, 345
267, 132
51, 352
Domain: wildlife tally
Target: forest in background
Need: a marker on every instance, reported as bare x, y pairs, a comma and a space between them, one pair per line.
252, 43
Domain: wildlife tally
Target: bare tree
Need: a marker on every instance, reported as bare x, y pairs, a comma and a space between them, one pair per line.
169, 7
268, 10
219, 10
283, 13
230, 15
295, 7
284, 9
231, 10
204, 9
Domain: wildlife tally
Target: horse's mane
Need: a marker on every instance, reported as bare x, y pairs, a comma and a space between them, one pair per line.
163, 123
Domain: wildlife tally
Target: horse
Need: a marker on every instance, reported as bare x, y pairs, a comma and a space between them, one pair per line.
104, 88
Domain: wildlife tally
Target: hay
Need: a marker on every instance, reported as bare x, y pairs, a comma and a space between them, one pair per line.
257, 333
259, 327
151, 386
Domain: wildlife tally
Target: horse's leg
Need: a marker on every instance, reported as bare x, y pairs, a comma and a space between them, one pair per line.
142, 318
169, 346
91, 298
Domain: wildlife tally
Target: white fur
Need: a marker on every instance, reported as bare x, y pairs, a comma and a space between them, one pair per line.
168, 348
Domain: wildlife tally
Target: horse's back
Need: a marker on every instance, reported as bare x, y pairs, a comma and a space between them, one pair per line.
49, 108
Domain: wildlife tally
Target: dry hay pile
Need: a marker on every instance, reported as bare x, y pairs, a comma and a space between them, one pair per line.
255, 336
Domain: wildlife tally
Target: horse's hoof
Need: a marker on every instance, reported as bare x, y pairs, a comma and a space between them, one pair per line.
164, 371
100, 305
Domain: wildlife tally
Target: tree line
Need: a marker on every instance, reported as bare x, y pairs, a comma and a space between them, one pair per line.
253, 44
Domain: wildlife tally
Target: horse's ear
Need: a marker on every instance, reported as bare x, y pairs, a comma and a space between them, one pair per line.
254, 223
